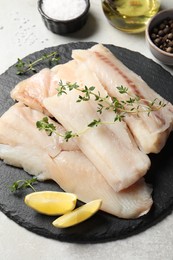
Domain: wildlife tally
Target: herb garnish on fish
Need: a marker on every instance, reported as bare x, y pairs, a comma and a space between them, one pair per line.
23, 67
132, 105
51, 128
45, 125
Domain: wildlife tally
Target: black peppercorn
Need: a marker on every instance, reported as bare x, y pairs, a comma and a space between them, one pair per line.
170, 36
166, 30
170, 44
157, 41
160, 32
162, 35
169, 49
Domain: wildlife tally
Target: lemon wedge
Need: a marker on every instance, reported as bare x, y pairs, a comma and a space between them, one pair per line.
51, 202
78, 215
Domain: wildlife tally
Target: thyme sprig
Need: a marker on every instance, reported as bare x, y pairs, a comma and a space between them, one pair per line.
131, 105
45, 125
23, 184
24, 67
50, 128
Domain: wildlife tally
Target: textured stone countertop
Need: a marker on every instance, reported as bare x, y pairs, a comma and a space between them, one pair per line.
22, 32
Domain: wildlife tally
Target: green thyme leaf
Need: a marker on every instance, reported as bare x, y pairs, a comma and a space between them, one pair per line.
24, 67
94, 123
130, 105
69, 134
45, 125
23, 184
122, 90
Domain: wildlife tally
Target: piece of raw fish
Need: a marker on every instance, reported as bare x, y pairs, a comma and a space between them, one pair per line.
32, 159
150, 132
70, 169
89, 184
20, 121
119, 174
120, 165
73, 172
34, 89
136, 162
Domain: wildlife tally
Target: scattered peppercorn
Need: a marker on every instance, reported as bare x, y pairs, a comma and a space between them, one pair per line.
162, 35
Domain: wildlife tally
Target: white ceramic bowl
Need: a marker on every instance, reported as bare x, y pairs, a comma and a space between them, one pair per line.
163, 56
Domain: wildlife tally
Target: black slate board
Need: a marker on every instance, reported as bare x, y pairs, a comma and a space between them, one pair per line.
101, 227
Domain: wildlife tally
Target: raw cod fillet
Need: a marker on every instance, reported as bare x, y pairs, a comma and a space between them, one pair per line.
128, 203
30, 134
150, 132
34, 89
70, 168
116, 140
106, 146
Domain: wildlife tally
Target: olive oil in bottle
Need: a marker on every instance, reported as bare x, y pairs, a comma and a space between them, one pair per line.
130, 15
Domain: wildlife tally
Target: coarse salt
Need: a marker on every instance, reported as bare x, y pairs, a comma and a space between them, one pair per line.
63, 9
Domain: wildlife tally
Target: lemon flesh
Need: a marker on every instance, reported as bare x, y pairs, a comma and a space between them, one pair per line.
78, 215
51, 202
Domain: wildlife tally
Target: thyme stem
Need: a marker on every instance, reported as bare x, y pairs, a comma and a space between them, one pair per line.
23, 67
23, 184
132, 105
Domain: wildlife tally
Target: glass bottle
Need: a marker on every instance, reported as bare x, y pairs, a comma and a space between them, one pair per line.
130, 15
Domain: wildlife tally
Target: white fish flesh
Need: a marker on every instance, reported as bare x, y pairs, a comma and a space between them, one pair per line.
26, 131
120, 165
69, 168
121, 140
137, 162
150, 132
89, 184
34, 89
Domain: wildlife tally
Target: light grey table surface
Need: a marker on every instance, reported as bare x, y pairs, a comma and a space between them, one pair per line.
21, 33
